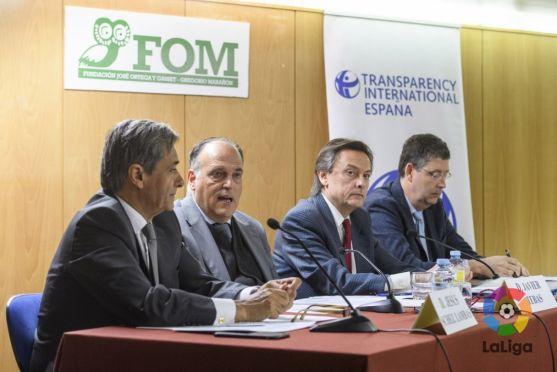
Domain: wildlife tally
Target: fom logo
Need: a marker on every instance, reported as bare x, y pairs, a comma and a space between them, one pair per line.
109, 37
393, 176
181, 61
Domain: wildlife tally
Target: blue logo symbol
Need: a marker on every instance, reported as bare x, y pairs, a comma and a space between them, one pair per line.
393, 176
347, 84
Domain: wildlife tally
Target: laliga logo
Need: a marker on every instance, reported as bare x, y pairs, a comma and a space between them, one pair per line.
393, 176
347, 84
502, 301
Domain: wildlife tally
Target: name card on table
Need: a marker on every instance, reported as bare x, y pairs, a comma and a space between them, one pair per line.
536, 290
445, 311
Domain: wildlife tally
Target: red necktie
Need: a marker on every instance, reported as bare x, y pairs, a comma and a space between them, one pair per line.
347, 244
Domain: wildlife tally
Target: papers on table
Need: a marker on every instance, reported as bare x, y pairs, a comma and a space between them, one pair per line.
493, 284
337, 300
281, 324
299, 305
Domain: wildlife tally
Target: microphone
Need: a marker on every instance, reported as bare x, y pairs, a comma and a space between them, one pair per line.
356, 322
390, 304
412, 234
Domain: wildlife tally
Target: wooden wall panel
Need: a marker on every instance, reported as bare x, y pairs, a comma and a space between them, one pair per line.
30, 149
88, 115
520, 147
311, 104
263, 124
471, 52
87, 118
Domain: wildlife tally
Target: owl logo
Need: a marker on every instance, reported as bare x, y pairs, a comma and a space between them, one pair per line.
110, 37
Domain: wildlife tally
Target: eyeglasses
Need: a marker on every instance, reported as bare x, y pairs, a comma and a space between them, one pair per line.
437, 175
321, 308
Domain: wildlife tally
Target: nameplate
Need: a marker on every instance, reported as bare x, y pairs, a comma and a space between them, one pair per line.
536, 291
445, 311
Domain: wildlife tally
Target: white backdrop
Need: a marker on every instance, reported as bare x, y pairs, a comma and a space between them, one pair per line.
387, 80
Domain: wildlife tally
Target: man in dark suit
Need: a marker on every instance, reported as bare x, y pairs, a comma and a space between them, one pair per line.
229, 244
412, 203
121, 260
332, 220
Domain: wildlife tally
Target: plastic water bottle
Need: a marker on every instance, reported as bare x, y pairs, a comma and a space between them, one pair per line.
458, 269
442, 276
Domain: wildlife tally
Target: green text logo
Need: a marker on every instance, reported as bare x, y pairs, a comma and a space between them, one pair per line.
203, 63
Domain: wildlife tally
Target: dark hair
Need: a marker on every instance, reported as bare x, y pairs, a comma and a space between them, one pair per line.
420, 149
196, 150
328, 156
142, 142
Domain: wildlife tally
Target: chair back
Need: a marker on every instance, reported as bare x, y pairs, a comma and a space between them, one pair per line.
22, 316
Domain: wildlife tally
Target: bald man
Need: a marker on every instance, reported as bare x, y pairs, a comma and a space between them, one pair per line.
229, 244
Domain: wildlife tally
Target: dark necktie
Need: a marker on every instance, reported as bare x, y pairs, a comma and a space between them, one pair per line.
152, 261
223, 237
421, 230
347, 244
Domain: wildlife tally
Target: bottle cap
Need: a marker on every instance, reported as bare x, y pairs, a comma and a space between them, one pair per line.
455, 253
443, 261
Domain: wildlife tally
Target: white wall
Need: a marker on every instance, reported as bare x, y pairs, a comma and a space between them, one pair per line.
528, 15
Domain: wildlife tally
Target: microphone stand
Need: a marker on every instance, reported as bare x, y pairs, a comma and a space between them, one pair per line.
388, 305
355, 322
414, 234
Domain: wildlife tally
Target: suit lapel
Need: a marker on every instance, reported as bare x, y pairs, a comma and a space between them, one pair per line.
331, 230
431, 231
360, 244
206, 244
407, 219
251, 240
131, 237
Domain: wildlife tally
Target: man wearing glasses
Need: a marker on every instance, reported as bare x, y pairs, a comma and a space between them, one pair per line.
412, 204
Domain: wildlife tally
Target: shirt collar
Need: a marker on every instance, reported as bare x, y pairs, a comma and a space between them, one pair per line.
207, 219
413, 210
137, 220
337, 216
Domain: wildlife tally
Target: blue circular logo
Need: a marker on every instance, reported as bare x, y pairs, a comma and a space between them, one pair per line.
393, 176
347, 84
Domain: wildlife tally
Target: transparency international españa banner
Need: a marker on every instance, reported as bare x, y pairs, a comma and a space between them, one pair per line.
387, 80
140, 52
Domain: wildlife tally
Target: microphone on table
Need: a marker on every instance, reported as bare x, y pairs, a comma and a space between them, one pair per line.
355, 322
412, 234
390, 304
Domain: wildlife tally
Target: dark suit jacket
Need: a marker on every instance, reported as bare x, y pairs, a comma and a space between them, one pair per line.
312, 221
392, 220
201, 244
96, 279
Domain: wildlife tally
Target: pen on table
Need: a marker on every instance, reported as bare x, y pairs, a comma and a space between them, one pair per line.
508, 254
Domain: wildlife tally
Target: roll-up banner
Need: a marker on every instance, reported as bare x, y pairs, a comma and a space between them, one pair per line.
387, 80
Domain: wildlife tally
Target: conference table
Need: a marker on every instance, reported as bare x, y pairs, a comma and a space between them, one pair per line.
132, 349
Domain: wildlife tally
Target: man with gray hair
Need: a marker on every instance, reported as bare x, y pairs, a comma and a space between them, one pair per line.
331, 221
229, 244
122, 261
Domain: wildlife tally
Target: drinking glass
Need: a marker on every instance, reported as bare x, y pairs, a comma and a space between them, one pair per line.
421, 284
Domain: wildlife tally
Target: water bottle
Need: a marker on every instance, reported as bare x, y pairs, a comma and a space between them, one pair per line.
458, 269
442, 276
